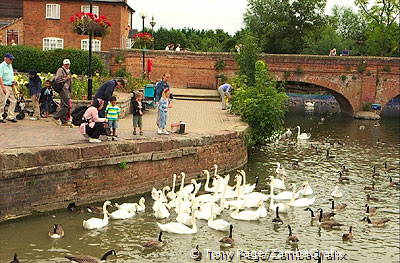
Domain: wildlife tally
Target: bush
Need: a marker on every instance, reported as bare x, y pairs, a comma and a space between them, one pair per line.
247, 57
28, 58
260, 105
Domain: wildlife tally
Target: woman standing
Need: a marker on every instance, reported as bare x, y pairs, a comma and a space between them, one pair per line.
35, 88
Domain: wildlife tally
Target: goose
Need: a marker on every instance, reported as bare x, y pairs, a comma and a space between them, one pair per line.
124, 213
306, 189
374, 172
338, 207
295, 164
280, 170
348, 236
196, 255
258, 187
291, 238
247, 215
278, 183
344, 169
95, 223
162, 211
90, 259
228, 241
172, 195
329, 156
57, 231
327, 224
74, 209
343, 179
370, 210
277, 219
372, 187
302, 136
179, 228
391, 183
325, 216
283, 208
377, 223
15, 260
388, 169
154, 243
219, 224
336, 193
370, 198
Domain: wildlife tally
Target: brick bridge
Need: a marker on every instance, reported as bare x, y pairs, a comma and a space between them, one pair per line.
353, 81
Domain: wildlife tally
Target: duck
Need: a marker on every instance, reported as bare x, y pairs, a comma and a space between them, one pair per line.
96, 223
277, 219
123, 213
278, 183
74, 209
154, 243
336, 192
280, 170
370, 198
228, 241
291, 238
325, 216
15, 260
90, 259
348, 236
391, 183
377, 223
327, 224
343, 179
371, 188
302, 136
196, 255
306, 189
57, 231
338, 207
172, 195
179, 228
370, 210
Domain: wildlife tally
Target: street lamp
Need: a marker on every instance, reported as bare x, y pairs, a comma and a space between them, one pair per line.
143, 16
90, 75
152, 23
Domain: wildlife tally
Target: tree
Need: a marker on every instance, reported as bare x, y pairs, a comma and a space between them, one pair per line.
281, 25
383, 27
247, 57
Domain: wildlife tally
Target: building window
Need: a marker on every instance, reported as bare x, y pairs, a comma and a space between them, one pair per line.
86, 9
96, 44
52, 11
53, 43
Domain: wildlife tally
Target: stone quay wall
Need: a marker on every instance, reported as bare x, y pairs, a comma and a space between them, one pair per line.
42, 179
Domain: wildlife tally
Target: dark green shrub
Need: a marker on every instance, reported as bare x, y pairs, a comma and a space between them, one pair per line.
28, 58
286, 75
219, 65
361, 67
122, 73
299, 71
343, 78
247, 57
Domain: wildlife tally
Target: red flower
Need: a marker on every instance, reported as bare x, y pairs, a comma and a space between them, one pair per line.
108, 23
72, 19
103, 17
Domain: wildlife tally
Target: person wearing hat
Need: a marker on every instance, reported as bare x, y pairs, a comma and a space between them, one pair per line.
63, 76
6, 91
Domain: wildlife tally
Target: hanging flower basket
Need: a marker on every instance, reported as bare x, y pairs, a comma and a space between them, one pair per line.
142, 40
90, 24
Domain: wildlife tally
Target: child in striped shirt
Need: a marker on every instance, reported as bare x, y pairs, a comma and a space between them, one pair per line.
112, 114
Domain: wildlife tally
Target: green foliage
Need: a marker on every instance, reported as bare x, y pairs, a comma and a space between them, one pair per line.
222, 78
286, 75
28, 58
120, 58
260, 105
361, 67
299, 71
343, 78
246, 59
123, 165
219, 65
367, 106
122, 73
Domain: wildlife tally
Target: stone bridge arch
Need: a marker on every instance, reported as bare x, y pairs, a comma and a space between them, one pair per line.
345, 102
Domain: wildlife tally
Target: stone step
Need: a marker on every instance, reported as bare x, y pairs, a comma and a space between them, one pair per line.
196, 98
196, 95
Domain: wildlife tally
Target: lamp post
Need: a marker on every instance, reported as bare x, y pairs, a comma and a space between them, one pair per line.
143, 16
152, 23
90, 75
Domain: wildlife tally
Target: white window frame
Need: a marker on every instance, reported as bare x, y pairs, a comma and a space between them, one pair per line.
129, 42
53, 43
86, 9
53, 11
85, 44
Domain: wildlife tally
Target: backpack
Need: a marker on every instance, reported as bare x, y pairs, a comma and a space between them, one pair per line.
57, 87
77, 115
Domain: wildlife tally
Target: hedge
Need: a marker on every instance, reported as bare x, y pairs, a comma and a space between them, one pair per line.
28, 58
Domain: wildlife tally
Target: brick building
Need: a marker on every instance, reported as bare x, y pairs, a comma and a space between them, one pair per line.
11, 28
45, 23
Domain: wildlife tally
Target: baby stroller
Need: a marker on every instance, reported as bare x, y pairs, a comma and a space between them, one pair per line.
49, 99
19, 107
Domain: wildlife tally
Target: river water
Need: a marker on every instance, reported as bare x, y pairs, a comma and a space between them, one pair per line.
353, 147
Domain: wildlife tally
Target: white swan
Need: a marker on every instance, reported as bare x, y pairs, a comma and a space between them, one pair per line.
172, 195
162, 211
154, 194
306, 189
141, 206
302, 202
278, 183
130, 206
206, 185
280, 170
179, 228
219, 224
246, 215
302, 136
123, 213
283, 208
95, 223
262, 210
286, 195
336, 193
246, 188
183, 217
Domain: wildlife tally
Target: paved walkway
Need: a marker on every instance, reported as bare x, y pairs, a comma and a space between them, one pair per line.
201, 117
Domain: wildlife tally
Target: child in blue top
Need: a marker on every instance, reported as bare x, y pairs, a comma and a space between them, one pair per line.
112, 114
163, 106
